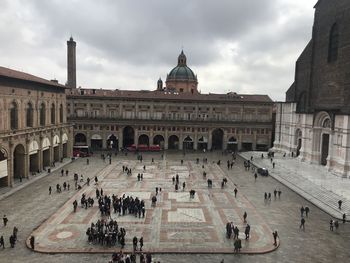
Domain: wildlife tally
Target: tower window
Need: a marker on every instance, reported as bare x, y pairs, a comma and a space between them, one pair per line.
333, 44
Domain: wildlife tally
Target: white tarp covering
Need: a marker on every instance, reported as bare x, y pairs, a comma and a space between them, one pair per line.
3, 168
96, 137
46, 144
33, 147
56, 140
64, 138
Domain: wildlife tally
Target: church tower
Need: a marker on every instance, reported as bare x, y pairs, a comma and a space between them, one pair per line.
71, 64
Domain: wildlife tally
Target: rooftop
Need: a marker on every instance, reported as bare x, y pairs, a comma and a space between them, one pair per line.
15, 74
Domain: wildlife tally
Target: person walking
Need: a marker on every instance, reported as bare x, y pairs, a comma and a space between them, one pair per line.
2, 242
275, 236
134, 242
5, 220
141, 243
307, 210
331, 225
183, 186
344, 218
255, 176
245, 217
235, 191
339, 204
50, 190
302, 223
302, 210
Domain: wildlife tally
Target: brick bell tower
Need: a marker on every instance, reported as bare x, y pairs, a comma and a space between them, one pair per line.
71, 64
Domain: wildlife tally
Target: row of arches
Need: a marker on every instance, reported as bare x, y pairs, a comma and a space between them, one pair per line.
32, 158
14, 114
173, 141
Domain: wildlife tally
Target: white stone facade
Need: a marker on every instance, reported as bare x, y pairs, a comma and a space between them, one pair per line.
318, 138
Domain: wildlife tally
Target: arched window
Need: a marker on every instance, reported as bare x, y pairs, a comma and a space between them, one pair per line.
333, 44
14, 116
61, 113
29, 115
42, 114
53, 114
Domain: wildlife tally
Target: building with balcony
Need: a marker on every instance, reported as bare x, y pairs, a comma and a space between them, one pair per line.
34, 132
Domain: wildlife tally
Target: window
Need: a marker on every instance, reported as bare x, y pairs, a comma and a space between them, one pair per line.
42, 114
61, 113
14, 116
29, 115
53, 114
333, 44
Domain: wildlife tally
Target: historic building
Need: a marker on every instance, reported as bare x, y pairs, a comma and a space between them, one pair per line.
34, 132
176, 116
314, 122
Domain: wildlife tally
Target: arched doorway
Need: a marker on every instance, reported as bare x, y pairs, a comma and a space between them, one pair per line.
18, 162
187, 143
232, 144
143, 140
159, 140
3, 168
322, 131
112, 142
202, 143
80, 139
128, 136
56, 148
298, 141
33, 157
46, 152
217, 139
173, 142
64, 145
96, 142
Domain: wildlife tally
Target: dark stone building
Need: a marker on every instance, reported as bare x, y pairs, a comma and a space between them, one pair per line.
314, 122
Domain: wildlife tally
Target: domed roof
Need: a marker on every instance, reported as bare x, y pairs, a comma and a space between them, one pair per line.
181, 71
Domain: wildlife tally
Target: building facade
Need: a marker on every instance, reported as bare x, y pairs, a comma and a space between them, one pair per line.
314, 122
176, 116
34, 132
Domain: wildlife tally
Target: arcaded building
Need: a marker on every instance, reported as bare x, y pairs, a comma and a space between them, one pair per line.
34, 133
175, 116
314, 122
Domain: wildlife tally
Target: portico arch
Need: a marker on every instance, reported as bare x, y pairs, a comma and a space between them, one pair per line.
45, 147
18, 162
202, 143
187, 143
217, 139
80, 139
128, 136
143, 140
173, 142
159, 140
3, 167
232, 144
33, 152
112, 142
96, 142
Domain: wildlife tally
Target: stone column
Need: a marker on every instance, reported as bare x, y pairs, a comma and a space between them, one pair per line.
136, 137
195, 143
120, 137
166, 139
210, 139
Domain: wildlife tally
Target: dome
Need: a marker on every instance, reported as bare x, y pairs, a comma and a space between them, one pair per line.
181, 71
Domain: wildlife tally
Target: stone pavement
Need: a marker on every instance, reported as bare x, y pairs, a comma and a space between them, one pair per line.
178, 224
31, 206
7, 191
313, 182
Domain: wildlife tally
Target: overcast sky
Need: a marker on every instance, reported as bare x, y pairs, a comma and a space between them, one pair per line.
245, 46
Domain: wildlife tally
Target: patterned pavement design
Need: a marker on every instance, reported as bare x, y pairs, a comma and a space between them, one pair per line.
177, 224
